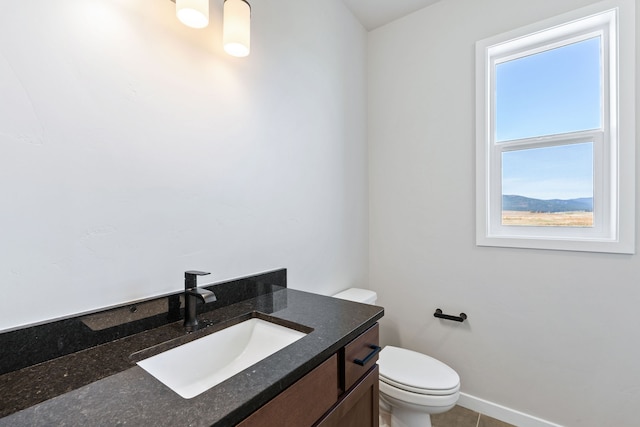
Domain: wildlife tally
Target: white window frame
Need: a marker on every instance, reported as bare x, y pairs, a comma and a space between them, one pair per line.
613, 145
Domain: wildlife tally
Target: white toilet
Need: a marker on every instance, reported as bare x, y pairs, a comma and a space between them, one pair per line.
412, 385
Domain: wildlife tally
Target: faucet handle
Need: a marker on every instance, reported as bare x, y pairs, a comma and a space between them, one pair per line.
191, 278
195, 273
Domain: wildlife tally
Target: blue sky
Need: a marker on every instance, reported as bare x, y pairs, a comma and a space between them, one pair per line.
552, 92
560, 172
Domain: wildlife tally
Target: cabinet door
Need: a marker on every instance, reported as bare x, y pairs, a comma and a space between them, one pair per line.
358, 407
303, 403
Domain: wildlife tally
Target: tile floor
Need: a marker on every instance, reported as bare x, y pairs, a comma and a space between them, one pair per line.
457, 417
463, 417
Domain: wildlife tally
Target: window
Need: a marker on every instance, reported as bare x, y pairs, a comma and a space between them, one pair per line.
555, 133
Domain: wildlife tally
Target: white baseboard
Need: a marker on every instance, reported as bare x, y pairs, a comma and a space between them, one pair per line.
502, 413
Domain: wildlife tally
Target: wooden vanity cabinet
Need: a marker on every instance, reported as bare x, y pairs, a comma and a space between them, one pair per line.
302, 403
358, 407
338, 393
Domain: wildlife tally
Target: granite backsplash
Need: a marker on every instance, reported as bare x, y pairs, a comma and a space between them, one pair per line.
31, 345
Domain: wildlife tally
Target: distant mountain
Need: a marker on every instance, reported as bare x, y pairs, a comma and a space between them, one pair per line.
520, 203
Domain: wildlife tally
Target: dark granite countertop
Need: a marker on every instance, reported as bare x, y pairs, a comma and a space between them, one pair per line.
102, 385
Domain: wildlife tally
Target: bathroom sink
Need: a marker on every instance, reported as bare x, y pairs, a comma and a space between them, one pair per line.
195, 367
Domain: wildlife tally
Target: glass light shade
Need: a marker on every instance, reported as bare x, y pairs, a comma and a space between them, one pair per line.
193, 13
237, 27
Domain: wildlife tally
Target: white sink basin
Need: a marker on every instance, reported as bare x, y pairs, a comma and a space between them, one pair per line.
195, 367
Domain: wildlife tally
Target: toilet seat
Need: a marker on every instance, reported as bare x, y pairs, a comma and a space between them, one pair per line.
416, 390
402, 398
415, 372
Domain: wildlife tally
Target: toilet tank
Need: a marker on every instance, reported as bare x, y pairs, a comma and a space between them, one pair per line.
364, 296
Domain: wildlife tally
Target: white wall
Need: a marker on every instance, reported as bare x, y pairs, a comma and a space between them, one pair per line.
551, 334
132, 148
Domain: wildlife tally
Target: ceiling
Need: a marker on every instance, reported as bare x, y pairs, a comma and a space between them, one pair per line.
375, 13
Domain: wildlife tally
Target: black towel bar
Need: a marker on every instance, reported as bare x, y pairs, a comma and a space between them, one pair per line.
460, 318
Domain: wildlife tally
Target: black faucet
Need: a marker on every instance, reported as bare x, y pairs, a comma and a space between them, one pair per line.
191, 296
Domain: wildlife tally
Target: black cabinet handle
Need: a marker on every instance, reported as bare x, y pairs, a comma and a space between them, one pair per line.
439, 314
376, 349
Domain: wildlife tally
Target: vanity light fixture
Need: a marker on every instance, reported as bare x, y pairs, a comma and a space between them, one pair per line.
236, 26
193, 13
236, 32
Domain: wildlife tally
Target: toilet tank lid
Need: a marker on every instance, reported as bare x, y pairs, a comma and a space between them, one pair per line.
365, 296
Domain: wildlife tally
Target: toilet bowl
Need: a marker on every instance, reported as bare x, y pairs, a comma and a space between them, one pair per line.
412, 385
